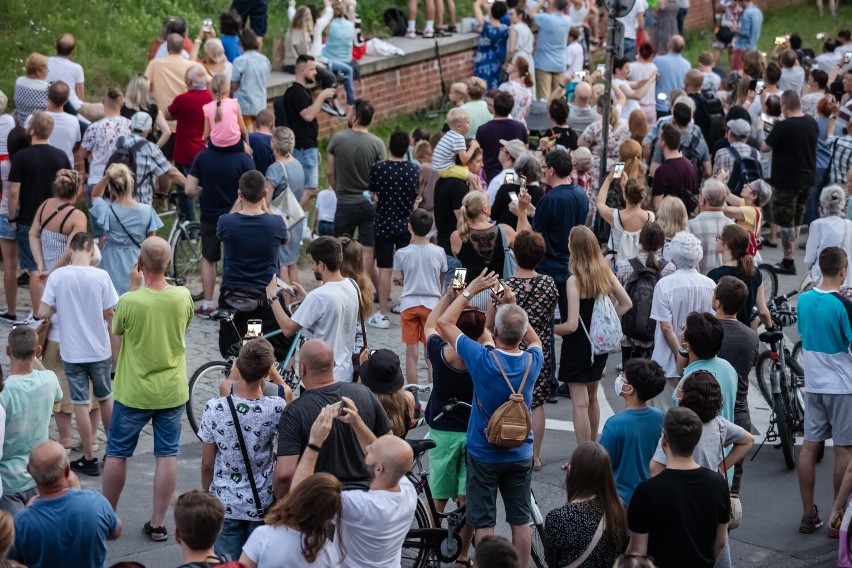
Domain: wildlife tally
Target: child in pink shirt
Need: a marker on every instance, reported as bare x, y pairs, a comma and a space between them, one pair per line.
224, 126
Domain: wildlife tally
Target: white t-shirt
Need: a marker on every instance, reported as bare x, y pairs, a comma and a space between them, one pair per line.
675, 297
66, 132
277, 546
330, 313
80, 295
374, 525
7, 123
71, 73
630, 104
630, 20
573, 58
639, 72
422, 267
326, 205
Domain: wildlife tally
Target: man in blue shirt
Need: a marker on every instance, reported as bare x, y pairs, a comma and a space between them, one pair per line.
560, 210
497, 371
630, 437
549, 56
65, 525
748, 34
673, 68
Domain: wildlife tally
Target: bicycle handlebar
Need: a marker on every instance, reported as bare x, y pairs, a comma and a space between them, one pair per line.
452, 406
418, 388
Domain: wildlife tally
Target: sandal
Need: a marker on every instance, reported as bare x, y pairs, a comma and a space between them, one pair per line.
157, 534
467, 562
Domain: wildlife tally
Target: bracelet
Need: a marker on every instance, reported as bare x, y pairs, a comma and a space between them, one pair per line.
313, 447
15, 220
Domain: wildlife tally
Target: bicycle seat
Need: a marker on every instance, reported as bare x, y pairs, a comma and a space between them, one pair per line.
771, 336
420, 447
222, 315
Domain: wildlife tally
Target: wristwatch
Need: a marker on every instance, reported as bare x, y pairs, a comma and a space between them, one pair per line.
466, 294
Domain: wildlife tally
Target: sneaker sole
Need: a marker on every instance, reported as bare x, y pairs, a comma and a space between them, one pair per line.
808, 529
90, 472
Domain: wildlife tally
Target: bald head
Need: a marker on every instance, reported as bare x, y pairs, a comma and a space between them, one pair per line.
316, 362
174, 44
196, 77
582, 92
48, 464
65, 45
155, 255
394, 455
693, 81
676, 44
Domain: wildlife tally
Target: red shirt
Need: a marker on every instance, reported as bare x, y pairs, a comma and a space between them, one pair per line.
186, 110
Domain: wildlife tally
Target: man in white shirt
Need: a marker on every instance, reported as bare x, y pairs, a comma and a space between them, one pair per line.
329, 312
633, 22
708, 224
676, 296
374, 523
509, 152
61, 68
66, 134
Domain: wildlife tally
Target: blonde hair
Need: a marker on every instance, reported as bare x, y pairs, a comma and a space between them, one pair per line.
221, 87
119, 180
423, 151
396, 407
214, 51
672, 216
303, 20
630, 152
138, 93
35, 63
4, 101
7, 534
588, 265
461, 89
455, 115
473, 205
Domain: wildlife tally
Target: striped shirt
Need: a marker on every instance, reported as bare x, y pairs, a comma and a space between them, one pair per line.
840, 148
450, 143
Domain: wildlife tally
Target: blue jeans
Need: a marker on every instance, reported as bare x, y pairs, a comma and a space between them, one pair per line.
452, 264
308, 158
630, 49
128, 422
233, 537
681, 16
25, 254
348, 74
186, 203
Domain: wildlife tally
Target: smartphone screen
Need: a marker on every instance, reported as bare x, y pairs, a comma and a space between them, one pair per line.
498, 288
286, 287
510, 178
617, 170
513, 196
254, 328
847, 57
602, 69
522, 180
758, 88
458, 278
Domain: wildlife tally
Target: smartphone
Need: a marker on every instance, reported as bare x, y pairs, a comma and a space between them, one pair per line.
286, 287
617, 170
758, 87
662, 97
601, 69
579, 74
254, 328
752, 85
522, 180
768, 122
780, 40
337, 406
820, 36
459, 278
498, 289
207, 26
847, 58
513, 196
510, 178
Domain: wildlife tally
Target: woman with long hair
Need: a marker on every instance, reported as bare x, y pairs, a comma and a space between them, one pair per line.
353, 267
340, 38
815, 90
638, 125
215, 61
7, 539
673, 219
628, 222
630, 152
733, 243
138, 98
519, 86
591, 278
304, 37
296, 532
832, 229
382, 374
651, 239
593, 502
521, 41
286, 174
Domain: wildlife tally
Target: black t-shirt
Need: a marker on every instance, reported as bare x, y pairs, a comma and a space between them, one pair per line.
447, 383
739, 348
500, 210
680, 511
341, 454
296, 99
752, 282
449, 193
35, 169
564, 135
793, 142
218, 172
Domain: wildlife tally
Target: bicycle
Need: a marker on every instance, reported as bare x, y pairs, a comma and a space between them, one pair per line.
786, 380
770, 281
206, 380
185, 243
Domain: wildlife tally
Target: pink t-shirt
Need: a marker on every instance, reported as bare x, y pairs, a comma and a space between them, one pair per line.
226, 132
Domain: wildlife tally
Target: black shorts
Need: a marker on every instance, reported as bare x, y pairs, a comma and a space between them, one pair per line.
211, 246
254, 10
512, 478
385, 247
361, 216
228, 338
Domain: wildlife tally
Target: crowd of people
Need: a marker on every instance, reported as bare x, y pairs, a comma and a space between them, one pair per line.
500, 233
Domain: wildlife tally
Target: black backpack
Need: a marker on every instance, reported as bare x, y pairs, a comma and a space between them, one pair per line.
636, 323
690, 152
126, 156
396, 22
745, 169
715, 119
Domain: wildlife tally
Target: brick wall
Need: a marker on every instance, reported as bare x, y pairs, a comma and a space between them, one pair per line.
701, 11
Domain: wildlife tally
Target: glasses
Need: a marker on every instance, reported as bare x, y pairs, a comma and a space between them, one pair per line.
718, 237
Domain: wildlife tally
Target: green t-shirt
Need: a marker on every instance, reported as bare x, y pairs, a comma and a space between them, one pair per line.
151, 371
479, 115
354, 154
28, 403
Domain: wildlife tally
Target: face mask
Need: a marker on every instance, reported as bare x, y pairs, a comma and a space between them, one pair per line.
619, 385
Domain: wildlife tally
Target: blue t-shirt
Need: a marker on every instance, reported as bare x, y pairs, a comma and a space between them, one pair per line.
251, 244
673, 68
824, 323
218, 172
261, 148
490, 391
725, 375
552, 38
73, 526
560, 210
231, 43
630, 438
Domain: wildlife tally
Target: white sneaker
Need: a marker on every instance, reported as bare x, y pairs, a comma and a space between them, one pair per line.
411, 34
379, 321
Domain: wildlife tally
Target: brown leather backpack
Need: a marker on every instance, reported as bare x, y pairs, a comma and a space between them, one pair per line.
510, 425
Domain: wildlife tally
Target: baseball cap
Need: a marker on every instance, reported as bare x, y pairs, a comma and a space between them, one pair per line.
141, 122
514, 147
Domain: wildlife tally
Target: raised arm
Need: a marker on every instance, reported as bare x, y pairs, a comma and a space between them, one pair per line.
319, 434
607, 212
349, 415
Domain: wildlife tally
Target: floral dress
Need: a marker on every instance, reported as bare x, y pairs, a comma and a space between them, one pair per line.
523, 99
490, 53
593, 134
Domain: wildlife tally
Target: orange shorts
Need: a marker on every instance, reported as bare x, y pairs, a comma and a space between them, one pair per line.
414, 325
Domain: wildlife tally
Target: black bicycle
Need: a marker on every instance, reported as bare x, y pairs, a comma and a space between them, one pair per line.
185, 243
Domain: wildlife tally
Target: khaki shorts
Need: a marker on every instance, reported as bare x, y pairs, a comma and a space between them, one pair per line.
52, 361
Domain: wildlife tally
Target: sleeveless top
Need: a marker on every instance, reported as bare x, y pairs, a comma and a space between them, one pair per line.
625, 243
484, 248
53, 243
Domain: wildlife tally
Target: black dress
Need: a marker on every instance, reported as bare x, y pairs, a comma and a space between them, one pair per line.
575, 363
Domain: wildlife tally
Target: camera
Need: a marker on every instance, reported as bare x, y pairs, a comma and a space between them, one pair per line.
780, 40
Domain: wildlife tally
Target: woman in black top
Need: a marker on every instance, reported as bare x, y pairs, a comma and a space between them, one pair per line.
526, 165
138, 99
560, 134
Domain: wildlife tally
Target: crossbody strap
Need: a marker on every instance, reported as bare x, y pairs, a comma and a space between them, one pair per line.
123, 228
505, 378
360, 312
246, 460
596, 538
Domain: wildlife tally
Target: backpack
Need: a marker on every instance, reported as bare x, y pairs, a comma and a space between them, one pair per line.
745, 169
396, 22
715, 119
690, 152
637, 323
510, 425
604, 330
126, 156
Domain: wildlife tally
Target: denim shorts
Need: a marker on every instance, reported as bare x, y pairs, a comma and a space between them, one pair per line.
233, 537
128, 422
6, 230
309, 158
25, 253
512, 479
78, 375
325, 228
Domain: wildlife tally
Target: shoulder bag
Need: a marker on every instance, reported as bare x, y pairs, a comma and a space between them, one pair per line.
356, 357
123, 228
736, 514
286, 204
596, 538
509, 262
261, 512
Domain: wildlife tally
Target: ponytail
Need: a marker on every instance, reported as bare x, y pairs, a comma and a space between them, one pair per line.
473, 205
651, 261
527, 80
218, 117
220, 87
745, 264
737, 240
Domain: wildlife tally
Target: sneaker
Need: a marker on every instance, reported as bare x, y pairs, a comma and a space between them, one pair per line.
88, 467
6, 317
329, 108
786, 267
204, 311
340, 112
810, 523
396, 310
379, 321
428, 34
411, 34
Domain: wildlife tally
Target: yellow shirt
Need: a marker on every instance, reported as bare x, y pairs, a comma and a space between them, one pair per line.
749, 217
167, 76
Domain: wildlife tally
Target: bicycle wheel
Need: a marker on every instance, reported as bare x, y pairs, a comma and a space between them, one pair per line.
770, 281
414, 555
795, 392
203, 386
797, 353
186, 259
784, 422
762, 368
537, 534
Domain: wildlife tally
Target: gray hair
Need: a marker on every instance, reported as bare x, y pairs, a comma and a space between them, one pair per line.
283, 140
685, 250
528, 166
511, 323
214, 51
832, 201
583, 159
197, 77
48, 472
762, 192
714, 192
